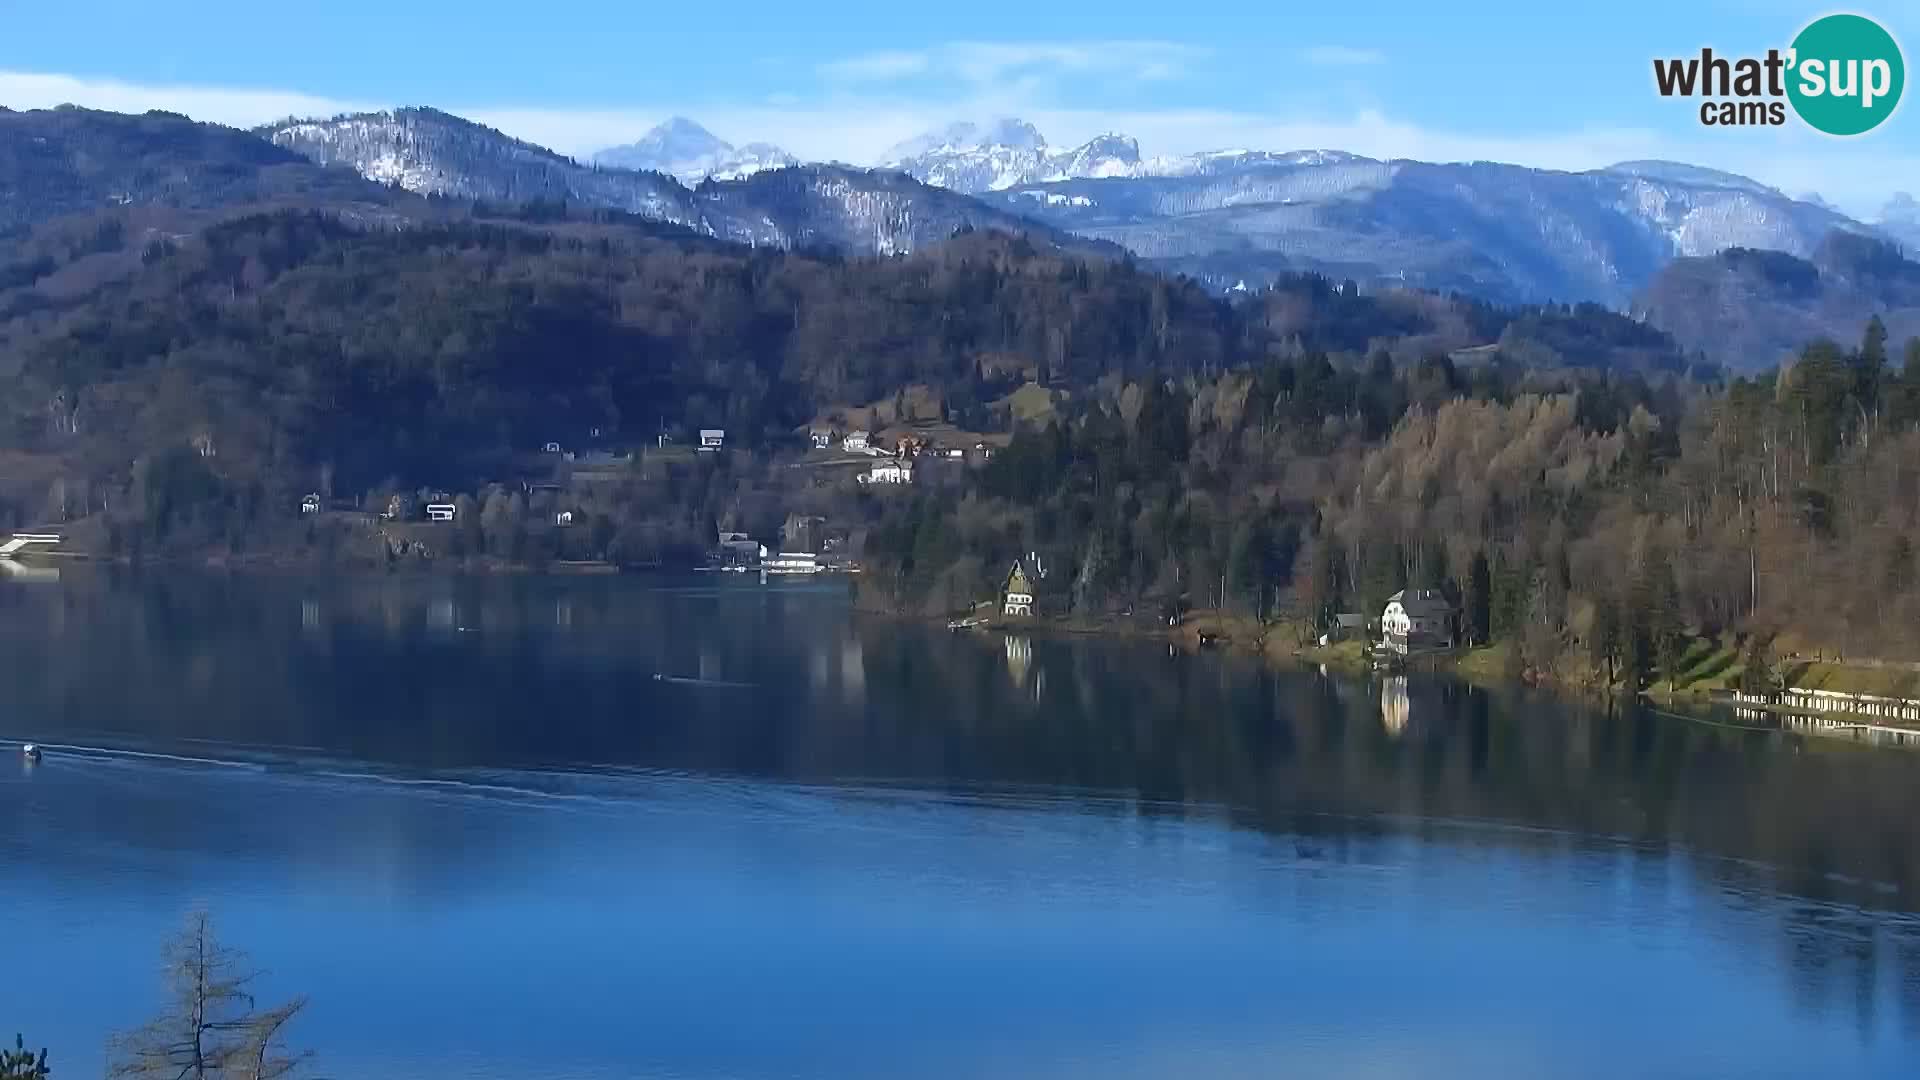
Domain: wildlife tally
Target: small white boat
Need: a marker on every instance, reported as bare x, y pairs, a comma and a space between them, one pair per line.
30, 752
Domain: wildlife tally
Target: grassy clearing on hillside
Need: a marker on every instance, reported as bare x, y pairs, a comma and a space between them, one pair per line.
1031, 404
1707, 664
1840, 678
1343, 655
1489, 663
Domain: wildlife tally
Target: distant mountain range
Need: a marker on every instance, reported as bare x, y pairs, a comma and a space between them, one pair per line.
1240, 218
850, 210
974, 159
1644, 235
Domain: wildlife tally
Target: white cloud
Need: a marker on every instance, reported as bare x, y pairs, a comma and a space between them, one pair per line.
858, 127
876, 67
987, 63
238, 107
1342, 56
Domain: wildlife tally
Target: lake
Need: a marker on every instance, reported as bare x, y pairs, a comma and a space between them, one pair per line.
465, 817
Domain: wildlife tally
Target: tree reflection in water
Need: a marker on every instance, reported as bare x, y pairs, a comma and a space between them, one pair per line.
561, 676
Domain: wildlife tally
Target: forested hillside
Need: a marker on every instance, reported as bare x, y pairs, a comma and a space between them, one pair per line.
1592, 520
71, 160
1753, 309
1572, 474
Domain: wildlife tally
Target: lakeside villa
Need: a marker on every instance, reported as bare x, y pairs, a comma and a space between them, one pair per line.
1417, 620
1016, 596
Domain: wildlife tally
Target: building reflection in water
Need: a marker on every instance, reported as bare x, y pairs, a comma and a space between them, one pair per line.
853, 672
1396, 705
1019, 658
12, 570
819, 665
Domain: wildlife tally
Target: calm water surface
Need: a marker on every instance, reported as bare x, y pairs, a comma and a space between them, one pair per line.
466, 819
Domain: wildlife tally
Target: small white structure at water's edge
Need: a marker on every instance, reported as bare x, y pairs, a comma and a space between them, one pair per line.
20, 541
793, 562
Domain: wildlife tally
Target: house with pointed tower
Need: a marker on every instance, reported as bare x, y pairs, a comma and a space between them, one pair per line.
1016, 596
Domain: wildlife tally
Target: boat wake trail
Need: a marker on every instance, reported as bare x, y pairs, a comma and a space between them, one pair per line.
682, 680
116, 753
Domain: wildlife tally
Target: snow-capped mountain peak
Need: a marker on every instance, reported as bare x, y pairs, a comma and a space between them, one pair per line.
1101, 156
1008, 152
1015, 132
683, 149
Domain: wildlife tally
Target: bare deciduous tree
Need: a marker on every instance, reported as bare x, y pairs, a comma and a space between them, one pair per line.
212, 1028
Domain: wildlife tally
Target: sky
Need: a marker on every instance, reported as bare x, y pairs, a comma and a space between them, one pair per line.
1525, 83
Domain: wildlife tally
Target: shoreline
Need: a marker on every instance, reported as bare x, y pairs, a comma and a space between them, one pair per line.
1488, 666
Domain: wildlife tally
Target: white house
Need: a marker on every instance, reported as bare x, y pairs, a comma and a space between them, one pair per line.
310, 504
890, 472
552, 448
1016, 597
440, 511
855, 442
822, 438
1417, 619
563, 519
712, 439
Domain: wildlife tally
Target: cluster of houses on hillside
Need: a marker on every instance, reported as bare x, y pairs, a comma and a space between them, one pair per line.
900, 456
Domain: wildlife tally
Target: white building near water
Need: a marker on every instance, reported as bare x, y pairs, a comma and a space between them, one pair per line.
855, 442
1417, 619
1016, 596
440, 511
794, 562
712, 439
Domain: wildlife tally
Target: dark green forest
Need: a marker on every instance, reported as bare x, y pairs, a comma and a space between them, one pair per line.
1580, 482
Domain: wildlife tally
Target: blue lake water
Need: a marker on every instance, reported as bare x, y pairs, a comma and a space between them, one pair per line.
465, 819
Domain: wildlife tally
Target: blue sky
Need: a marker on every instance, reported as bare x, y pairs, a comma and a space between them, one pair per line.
1499, 81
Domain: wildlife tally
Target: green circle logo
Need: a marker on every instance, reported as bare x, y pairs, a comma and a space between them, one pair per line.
1846, 74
